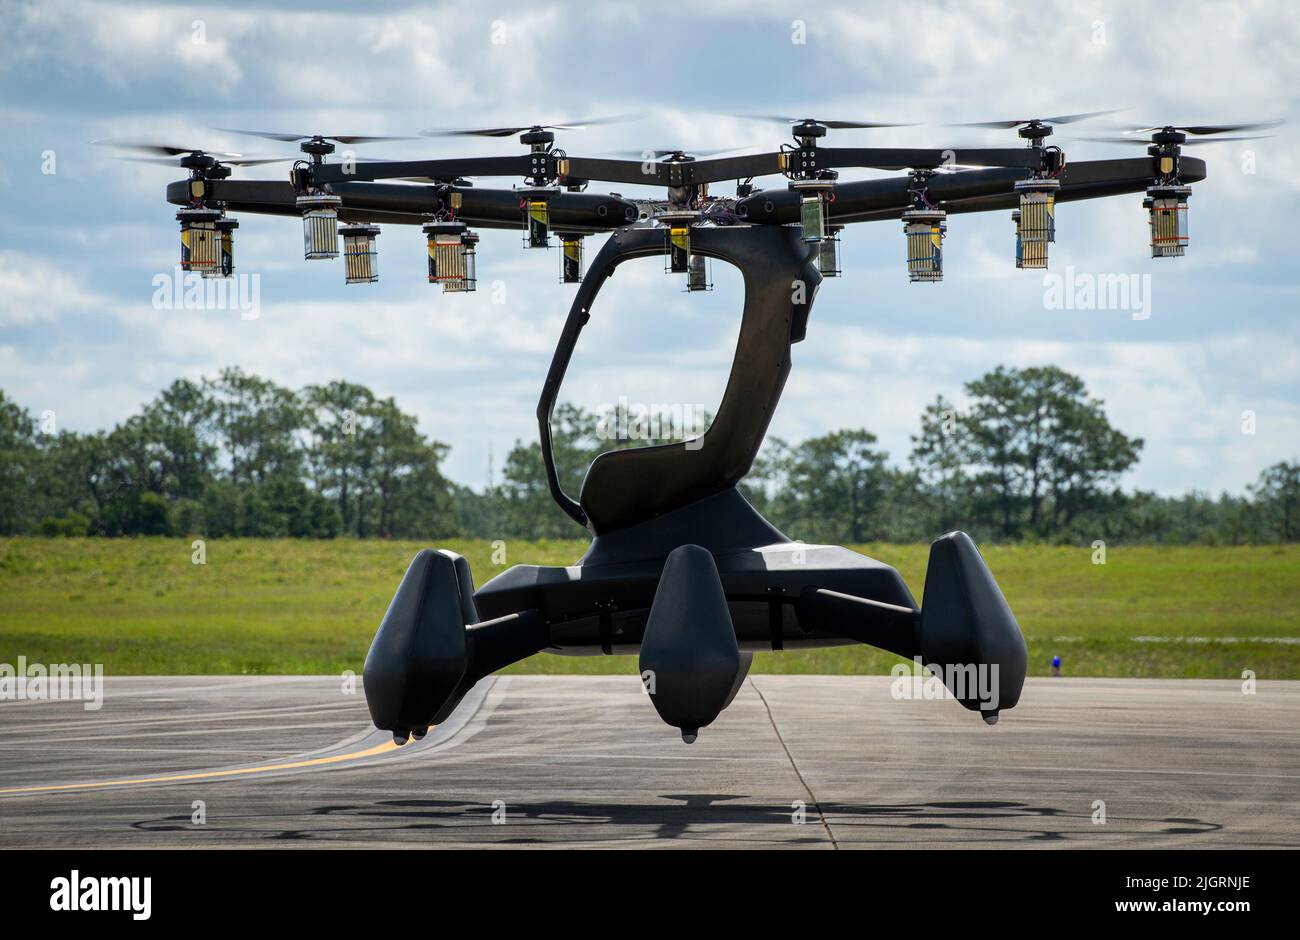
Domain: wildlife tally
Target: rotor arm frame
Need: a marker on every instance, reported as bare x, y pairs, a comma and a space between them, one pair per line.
969, 191
590, 213
411, 204
555, 166
905, 158
449, 169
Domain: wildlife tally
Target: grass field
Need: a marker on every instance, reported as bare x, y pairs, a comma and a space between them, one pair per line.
140, 606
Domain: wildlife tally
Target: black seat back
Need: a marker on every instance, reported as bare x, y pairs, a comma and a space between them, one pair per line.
625, 487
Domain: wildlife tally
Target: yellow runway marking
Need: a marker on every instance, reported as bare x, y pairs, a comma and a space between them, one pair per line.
212, 774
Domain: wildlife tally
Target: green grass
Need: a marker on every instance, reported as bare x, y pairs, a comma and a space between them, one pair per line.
139, 606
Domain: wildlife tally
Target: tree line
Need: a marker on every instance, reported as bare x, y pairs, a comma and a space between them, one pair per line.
230, 455
1032, 457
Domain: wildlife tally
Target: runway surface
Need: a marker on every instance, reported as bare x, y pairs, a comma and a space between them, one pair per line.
584, 760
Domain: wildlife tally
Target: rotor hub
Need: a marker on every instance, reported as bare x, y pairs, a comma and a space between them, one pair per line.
808, 131
198, 161
537, 138
1034, 132
317, 147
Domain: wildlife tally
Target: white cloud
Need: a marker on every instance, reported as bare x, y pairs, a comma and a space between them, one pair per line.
32, 289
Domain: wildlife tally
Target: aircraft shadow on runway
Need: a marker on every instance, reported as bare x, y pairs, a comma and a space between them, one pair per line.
996, 820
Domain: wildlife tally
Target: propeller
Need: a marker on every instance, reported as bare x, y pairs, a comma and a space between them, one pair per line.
1144, 142
1199, 130
833, 125
1141, 136
170, 155
1058, 119
295, 138
659, 154
166, 161
511, 131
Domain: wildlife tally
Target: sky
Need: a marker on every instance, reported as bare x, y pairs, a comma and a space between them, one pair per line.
82, 235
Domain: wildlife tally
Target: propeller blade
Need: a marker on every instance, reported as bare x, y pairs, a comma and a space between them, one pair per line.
1058, 119
174, 161
1199, 129
1202, 129
165, 150
259, 161
595, 122
511, 131
834, 125
660, 153
357, 139
1142, 141
161, 161
293, 138
848, 125
268, 135
1145, 142
1071, 118
1223, 140
473, 132
991, 125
